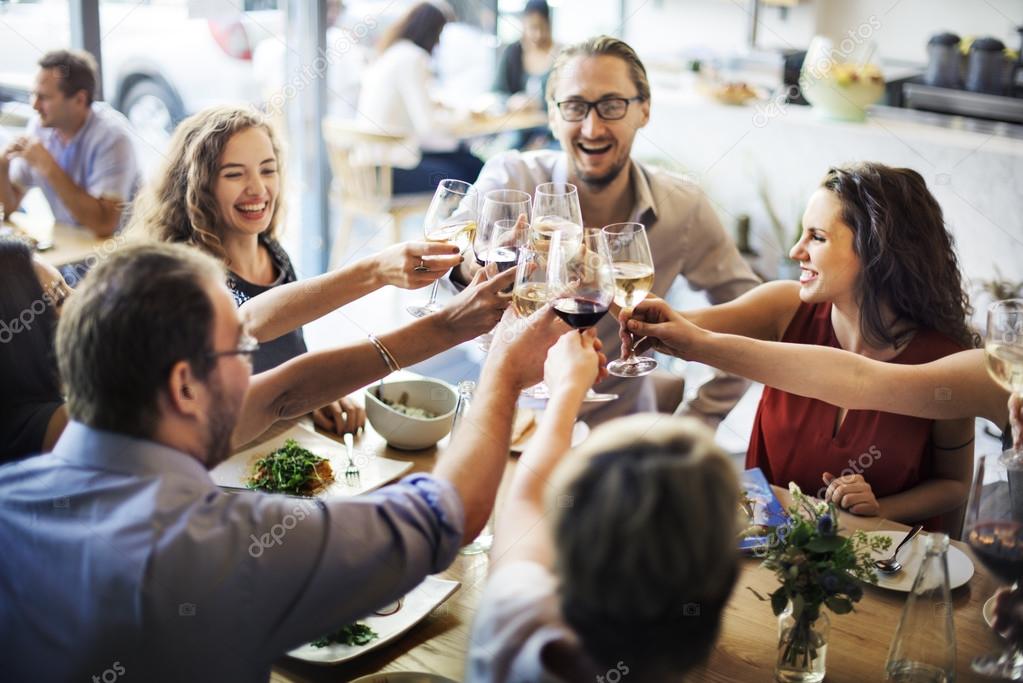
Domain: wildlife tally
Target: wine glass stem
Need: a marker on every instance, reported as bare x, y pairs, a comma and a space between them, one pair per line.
433, 292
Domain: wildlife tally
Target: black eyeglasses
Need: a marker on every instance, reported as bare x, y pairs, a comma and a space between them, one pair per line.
247, 345
609, 108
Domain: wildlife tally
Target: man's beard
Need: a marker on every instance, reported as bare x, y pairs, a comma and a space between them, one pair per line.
595, 182
219, 426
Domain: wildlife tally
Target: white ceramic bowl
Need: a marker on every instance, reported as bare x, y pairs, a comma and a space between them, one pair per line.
407, 432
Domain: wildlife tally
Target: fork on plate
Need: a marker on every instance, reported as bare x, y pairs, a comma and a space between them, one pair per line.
352, 471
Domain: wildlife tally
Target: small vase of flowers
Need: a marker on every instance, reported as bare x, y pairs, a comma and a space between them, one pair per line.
817, 567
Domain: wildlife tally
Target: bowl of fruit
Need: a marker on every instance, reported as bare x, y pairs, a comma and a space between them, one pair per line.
841, 82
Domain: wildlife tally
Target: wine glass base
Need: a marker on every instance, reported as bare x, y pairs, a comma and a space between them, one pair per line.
1006, 665
634, 367
423, 310
483, 543
594, 397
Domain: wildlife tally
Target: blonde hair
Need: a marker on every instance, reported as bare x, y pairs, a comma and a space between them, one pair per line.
645, 536
596, 47
180, 206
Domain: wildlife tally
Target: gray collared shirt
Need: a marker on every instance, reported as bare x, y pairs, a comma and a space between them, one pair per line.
121, 554
686, 239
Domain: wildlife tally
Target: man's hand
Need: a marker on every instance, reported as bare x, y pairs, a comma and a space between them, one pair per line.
411, 265
32, 151
340, 417
575, 363
478, 307
1016, 420
520, 346
665, 328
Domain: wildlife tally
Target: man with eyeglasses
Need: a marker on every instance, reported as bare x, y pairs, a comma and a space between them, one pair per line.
598, 100
120, 553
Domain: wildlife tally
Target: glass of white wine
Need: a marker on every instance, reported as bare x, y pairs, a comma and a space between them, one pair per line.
450, 218
529, 295
555, 209
1003, 346
633, 268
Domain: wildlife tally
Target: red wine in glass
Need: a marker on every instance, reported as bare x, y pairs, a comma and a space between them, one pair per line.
504, 257
580, 312
999, 545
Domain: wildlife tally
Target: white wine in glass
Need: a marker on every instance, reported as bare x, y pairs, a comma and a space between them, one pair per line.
633, 267
451, 219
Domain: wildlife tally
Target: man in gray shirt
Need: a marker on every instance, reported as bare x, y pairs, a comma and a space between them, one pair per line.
603, 80
122, 557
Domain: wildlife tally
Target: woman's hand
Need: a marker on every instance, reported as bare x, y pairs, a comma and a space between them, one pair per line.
478, 307
666, 329
520, 346
340, 417
852, 493
574, 362
411, 265
1016, 420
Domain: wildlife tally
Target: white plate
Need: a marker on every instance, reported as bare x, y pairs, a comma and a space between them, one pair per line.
374, 471
419, 602
580, 431
960, 567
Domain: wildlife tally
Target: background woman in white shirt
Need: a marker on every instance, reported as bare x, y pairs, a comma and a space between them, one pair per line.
395, 99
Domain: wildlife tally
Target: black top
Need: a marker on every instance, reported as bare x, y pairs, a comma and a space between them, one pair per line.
23, 427
284, 348
511, 73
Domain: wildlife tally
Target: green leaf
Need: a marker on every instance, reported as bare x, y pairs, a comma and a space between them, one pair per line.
825, 544
839, 605
778, 601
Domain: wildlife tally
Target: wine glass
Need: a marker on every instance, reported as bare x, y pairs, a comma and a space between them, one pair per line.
555, 209
450, 218
529, 295
994, 523
500, 213
633, 268
1003, 346
994, 517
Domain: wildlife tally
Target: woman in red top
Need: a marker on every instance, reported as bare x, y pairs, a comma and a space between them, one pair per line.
879, 277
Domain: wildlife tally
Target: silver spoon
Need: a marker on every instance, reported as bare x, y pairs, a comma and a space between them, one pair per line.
891, 565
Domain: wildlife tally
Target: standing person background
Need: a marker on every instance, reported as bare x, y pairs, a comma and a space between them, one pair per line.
395, 99
77, 150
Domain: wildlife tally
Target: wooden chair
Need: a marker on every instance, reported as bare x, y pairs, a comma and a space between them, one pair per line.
362, 183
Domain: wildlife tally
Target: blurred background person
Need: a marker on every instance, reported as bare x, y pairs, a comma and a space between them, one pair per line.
524, 66
395, 99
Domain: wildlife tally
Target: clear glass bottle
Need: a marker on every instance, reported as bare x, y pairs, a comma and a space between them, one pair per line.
485, 539
802, 646
924, 646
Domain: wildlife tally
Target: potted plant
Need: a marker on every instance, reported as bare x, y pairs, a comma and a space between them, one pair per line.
817, 567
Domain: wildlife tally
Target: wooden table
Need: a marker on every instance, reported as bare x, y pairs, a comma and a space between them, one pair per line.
71, 244
745, 651
480, 125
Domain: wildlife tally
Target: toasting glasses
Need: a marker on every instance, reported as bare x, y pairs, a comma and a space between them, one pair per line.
633, 267
450, 218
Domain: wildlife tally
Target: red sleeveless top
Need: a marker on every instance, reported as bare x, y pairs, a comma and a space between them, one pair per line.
794, 437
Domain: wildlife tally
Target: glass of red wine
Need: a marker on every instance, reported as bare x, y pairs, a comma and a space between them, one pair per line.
994, 530
581, 282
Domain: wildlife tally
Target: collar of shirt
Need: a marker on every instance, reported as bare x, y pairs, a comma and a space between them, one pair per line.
640, 185
110, 451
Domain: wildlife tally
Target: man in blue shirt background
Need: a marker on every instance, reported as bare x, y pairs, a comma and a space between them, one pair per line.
79, 152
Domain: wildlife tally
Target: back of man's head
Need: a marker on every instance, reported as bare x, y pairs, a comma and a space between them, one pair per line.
77, 70
600, 46
645, 543
140, 311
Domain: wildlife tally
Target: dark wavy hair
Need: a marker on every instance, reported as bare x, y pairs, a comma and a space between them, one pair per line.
907, 256
421, 25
